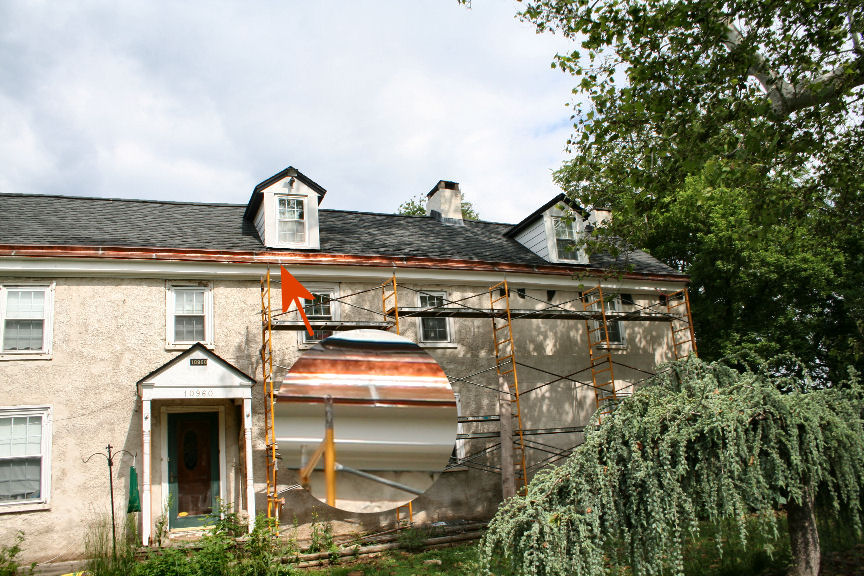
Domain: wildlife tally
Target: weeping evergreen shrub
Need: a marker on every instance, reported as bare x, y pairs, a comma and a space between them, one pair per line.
699, 443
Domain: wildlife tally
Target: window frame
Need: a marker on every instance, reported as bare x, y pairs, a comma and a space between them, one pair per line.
304, 220
335, 313
447, 321
45, 458
47, 320
171, 289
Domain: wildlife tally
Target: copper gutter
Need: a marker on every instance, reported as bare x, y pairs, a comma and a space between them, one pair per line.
306, 258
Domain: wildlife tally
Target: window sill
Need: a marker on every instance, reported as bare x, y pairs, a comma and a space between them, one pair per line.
14, 507
5, 356
452, 345
174, 347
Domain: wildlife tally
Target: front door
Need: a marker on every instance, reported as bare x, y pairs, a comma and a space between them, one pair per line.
193, 468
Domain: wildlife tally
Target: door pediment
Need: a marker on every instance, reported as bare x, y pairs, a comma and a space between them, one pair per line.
196, 374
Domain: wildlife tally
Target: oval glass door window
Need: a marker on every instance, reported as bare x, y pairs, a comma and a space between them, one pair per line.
394, 420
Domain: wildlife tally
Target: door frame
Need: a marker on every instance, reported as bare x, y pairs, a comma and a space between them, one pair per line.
165, 410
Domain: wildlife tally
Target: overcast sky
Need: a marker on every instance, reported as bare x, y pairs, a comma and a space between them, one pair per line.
199, 101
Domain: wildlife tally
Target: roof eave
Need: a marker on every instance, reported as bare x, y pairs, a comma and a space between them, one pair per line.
313, 258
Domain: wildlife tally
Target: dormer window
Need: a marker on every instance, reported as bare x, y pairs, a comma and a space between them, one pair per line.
554, 231
291, 218
565, 238
284, 210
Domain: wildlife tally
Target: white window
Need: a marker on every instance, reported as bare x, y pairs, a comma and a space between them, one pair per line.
321, 308
566, 236
291, 219
26, 313
25, 443
189, 314
433, 329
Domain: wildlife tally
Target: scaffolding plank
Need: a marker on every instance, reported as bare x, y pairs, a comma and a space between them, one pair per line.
530, 314
335, 326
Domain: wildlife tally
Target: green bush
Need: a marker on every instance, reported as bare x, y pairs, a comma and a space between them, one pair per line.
9, 565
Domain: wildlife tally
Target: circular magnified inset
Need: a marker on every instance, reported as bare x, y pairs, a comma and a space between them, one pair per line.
367, 418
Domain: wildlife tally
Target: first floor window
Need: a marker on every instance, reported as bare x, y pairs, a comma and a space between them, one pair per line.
189, 314
24, 437
433, 329
565, 238
25, 313
291, 219
319, 308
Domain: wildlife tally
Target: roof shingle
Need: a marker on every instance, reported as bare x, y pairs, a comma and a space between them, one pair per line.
41, 220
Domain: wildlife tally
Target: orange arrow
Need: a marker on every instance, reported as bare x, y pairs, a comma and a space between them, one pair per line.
292, 291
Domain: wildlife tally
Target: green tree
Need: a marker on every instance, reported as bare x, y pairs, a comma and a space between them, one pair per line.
699, 444
727, 139
416, 206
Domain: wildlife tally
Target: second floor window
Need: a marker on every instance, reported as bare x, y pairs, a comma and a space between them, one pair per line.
190, 315
24, 311
291, 220
433, 329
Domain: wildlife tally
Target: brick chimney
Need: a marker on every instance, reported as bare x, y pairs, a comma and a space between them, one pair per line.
444, 202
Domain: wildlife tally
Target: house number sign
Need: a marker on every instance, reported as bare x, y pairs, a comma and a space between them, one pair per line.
198, 393
198, 361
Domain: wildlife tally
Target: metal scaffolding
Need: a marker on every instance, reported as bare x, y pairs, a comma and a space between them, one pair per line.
672, 308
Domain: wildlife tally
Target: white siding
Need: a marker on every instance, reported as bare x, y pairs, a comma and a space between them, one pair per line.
259, 221
534, 238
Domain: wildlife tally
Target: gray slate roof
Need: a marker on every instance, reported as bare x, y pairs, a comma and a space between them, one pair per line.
41, 220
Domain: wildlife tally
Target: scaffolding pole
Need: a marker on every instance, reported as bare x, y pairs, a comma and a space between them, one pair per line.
508, 382
273, 499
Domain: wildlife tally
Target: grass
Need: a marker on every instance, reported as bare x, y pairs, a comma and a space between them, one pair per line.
842, 555
457, 561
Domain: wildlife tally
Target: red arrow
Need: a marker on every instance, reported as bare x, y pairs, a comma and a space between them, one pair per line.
292, 291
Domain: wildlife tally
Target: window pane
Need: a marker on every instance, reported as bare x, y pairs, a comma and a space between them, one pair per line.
20, 479
25, 304
34, 436
434, 329
188, 328
292, 231
320, 306
567, 249
22, 334
291, 209
189, 301
19, 436
5, 437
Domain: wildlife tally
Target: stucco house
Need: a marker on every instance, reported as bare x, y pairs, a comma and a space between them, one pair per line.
139, 323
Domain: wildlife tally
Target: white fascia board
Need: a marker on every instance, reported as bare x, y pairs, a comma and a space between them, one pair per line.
187, 270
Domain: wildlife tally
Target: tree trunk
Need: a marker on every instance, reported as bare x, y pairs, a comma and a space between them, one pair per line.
804, 536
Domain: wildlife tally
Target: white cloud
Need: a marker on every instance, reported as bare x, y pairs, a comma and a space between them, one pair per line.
200, 101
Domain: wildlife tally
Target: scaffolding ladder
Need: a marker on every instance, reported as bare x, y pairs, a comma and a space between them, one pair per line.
273, 499
599, 353
681, 323
505, 363
388, 293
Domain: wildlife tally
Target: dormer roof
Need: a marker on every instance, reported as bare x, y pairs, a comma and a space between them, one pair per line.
559, 199
289, 172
